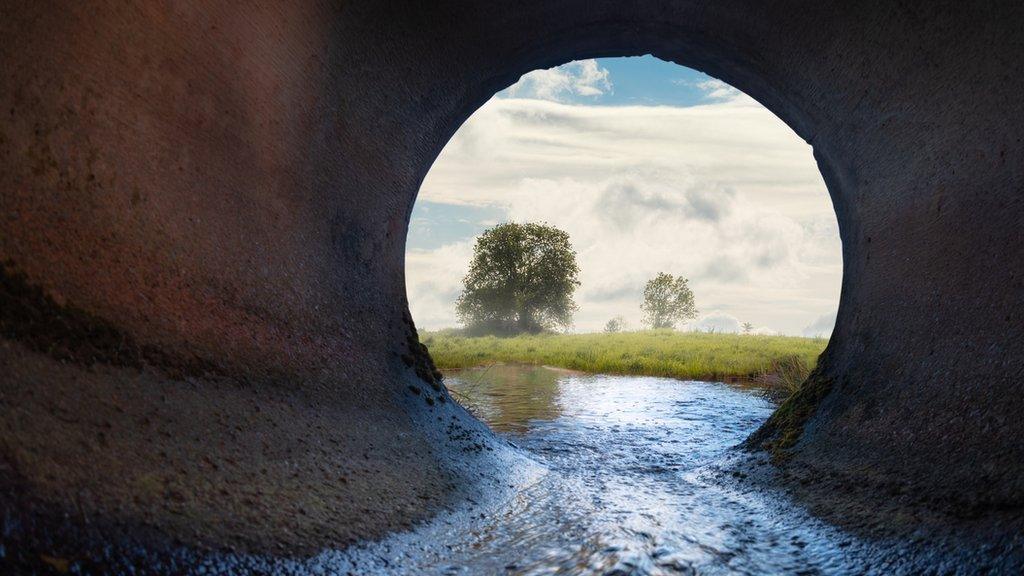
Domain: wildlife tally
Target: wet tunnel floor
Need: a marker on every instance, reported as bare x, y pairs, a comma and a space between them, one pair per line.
635, 486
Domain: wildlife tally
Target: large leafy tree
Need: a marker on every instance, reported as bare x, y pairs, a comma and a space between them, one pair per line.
667, 300
521, 279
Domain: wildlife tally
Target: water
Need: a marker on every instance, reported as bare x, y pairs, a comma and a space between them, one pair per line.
634, 484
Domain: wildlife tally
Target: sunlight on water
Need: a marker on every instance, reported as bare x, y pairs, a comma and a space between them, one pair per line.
630, 491
630, 476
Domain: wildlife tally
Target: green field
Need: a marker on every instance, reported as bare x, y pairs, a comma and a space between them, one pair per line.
775, 360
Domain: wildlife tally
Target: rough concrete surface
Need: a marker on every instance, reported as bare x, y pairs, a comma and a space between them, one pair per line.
203, 209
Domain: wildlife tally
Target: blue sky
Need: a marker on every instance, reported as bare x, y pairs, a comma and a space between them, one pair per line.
646, 80
649, 166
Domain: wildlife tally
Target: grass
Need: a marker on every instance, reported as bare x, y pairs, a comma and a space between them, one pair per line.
779, 362
785, 426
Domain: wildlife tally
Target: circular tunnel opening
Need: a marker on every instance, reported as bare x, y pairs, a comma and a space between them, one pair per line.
649, 167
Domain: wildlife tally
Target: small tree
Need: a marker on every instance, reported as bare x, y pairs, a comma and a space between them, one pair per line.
667, 300
521, 279
748, 327
617, 324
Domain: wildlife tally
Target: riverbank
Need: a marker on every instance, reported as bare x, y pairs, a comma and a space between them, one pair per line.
780, 362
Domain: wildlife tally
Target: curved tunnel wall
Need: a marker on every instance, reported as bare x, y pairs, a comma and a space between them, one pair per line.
204, 216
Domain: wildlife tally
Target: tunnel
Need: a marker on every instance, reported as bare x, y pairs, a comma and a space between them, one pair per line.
206, 342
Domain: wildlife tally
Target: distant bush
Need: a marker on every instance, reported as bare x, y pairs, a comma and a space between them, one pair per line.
617, 324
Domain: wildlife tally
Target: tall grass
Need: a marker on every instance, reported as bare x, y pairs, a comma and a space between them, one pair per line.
684, 355
784, 376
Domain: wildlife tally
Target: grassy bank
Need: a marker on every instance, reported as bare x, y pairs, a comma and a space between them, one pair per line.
777, 360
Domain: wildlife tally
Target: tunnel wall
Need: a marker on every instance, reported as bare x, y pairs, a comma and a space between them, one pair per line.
205, 201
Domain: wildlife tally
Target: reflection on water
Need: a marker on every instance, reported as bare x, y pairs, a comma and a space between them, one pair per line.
630, 492
508, 397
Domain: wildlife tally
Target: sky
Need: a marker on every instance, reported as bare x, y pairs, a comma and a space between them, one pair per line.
650, 167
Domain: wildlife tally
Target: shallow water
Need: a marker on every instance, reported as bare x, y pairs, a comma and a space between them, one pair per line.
632, 488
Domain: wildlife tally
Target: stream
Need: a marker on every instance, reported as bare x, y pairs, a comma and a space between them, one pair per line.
632, 489
636, 481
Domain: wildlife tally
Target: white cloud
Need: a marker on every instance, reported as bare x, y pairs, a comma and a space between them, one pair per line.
719, 322
723, 193
821, 327
723, 323
433, 280
563, 83
718, 90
